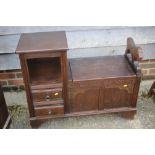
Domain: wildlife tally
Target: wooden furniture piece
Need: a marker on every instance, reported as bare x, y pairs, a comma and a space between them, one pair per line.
5, 118
152, 90
57, 87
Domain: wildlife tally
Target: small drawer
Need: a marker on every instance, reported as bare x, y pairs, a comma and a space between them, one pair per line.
49, 103
47, 95
49, 110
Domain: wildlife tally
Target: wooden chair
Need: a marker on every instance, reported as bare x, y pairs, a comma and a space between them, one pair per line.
152, 90
5, 118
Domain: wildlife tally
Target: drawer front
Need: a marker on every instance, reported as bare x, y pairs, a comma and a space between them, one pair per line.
49, 110
47, 95
49, 103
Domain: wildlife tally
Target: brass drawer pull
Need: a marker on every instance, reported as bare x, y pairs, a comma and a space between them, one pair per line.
125, 85
56, 94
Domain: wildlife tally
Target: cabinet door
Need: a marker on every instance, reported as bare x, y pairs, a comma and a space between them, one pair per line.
114, 98
116, 94
84, 99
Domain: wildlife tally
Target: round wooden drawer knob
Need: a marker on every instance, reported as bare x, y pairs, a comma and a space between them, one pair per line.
47, 98
50, 112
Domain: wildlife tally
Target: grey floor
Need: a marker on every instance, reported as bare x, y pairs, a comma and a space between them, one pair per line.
145, 117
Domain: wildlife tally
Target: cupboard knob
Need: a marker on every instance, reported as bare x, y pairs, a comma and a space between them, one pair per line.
125, 85
56, 94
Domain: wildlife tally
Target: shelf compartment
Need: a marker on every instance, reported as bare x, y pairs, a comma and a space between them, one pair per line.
44, 71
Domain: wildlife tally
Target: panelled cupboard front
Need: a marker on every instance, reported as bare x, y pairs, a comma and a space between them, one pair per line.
104, 94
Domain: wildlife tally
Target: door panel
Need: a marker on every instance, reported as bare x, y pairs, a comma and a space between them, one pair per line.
84, 99
114, 98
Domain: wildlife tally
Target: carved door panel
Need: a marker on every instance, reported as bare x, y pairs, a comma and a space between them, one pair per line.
116, 94
84, 99
114, 98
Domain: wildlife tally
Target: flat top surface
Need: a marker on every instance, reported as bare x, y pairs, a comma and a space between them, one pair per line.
42, 41
99, 68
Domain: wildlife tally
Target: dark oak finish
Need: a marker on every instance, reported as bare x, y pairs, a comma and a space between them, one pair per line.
43, 59
5, 118
133, 55
47, 94
49, 110
27, 84
56, 87
83, 99
44, 71
101, 83
42, 41
114, 98
100, 68
101, 93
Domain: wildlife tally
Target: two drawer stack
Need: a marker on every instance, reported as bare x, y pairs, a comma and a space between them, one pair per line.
48, 101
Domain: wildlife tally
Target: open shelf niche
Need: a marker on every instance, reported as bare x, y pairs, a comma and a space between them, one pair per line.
44, 70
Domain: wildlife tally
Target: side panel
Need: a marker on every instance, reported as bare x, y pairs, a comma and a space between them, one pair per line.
26, 82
